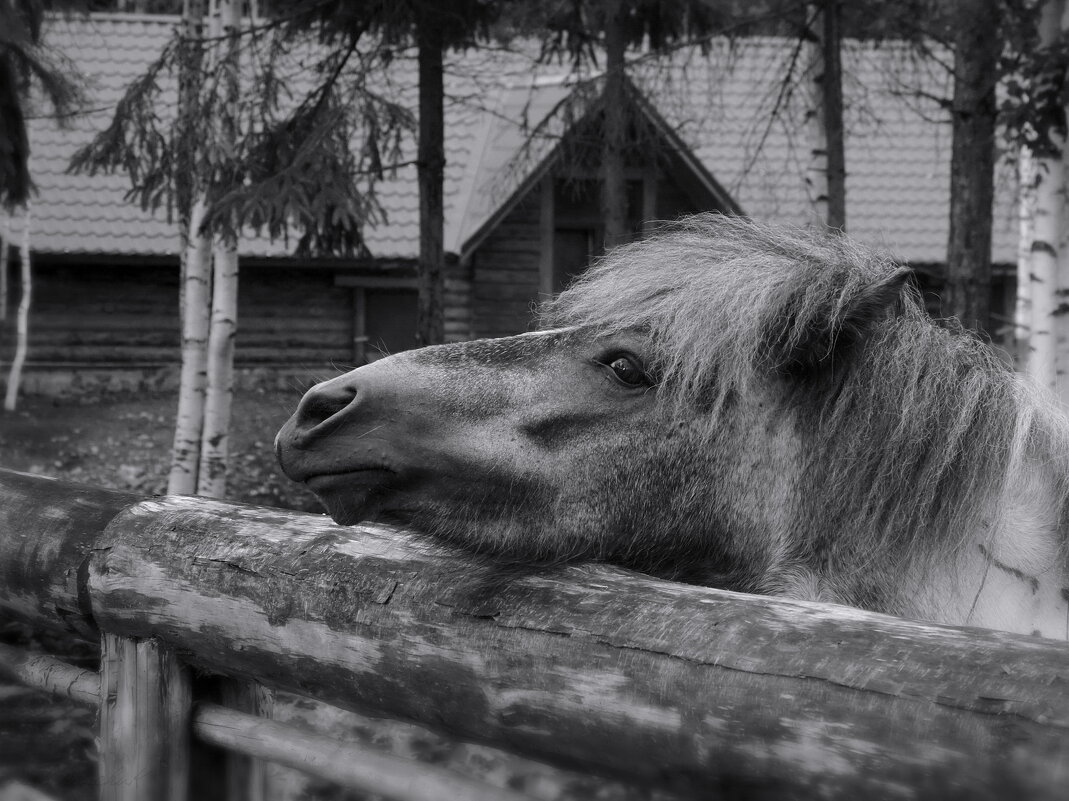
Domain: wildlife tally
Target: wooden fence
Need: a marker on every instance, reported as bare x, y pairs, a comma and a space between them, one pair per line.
697, 692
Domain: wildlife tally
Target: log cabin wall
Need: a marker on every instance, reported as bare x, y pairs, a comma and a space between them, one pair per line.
505, 273
115, 324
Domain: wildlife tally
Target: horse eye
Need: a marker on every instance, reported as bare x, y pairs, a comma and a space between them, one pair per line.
628, 371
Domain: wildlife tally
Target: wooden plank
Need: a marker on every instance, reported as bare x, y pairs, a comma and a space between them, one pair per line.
145, 719
694, 688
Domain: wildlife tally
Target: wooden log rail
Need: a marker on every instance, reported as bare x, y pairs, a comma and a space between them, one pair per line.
697, 691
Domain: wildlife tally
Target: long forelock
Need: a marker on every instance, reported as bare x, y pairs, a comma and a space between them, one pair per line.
716, 295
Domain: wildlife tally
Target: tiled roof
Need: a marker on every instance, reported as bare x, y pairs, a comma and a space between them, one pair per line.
898, 150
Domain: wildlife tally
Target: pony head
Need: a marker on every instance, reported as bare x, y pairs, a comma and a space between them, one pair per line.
755, 408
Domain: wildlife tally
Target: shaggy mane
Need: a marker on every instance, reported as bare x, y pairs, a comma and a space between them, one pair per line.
912, 431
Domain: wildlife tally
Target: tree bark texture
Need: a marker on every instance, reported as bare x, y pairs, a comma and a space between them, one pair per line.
1050, 237
614, 135
22, 318
430, 321
195, 302
1026, 227
816, 126
977, 47
697, 690
194, 298
219, 395
832, 104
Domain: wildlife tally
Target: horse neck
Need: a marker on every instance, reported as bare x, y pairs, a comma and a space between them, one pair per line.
1012, 575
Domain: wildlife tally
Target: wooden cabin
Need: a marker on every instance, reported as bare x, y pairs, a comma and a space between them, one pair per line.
521, 214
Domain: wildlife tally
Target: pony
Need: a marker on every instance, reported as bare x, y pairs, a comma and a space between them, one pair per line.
755, 408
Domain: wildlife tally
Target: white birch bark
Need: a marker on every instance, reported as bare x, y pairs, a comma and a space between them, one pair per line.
22, 320
816, 130
1048, 237
214, 447
194, 292
195, 307
1026, 221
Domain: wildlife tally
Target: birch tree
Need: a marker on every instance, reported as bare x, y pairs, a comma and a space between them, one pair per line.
24, 63
246, 152
22, 317
215, 436
1037, 94
195, 255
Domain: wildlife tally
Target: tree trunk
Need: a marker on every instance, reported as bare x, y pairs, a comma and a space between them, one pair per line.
817, 174
214, 445
977, 47
832, 105
614, 136
22, 321
430, 320
194, 302
1026, 220
1049, 232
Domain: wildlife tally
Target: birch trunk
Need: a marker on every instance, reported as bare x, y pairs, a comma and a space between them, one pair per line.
194, 297
22, 320
1048, 240
614, 136
211, 474
1026, 219
195, 304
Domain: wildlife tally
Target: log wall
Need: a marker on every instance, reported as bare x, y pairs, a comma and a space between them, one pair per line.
689, 689
127, 314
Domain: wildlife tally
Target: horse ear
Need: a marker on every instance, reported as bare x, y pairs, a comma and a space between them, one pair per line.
813, 344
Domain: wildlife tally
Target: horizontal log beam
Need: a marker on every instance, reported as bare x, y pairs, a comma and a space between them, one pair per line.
681, 687
47, 530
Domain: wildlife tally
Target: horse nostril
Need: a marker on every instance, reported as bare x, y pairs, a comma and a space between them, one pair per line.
322, 403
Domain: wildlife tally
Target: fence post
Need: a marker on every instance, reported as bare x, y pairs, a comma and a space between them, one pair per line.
145, 721
246, 777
